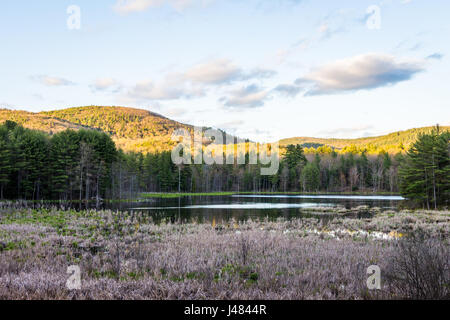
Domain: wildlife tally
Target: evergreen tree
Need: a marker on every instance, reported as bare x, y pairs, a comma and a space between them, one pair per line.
295, 160
425, 172
311, 177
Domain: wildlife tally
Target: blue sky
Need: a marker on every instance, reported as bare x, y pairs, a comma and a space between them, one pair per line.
262, 69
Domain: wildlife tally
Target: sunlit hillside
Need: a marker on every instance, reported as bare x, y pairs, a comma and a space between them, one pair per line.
145, 131
393, 142
37, 121
131, 129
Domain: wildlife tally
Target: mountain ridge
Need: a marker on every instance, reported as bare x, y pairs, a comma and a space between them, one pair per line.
392, 142
145, 131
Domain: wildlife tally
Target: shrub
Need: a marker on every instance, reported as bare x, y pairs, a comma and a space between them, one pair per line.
419, 269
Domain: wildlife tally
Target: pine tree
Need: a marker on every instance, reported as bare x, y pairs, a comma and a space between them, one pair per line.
311, 177
425, 172
295, 160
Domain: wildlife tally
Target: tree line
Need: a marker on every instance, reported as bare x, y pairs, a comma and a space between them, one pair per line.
70, 165
86, 165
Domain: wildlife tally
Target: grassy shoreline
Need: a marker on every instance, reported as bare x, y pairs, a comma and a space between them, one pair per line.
162, 195
229, 193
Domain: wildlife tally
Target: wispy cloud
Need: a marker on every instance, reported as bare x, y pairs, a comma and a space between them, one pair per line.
417, 46
106, 84
129, 6
435, 56
368, 71
251, 96
149, 91
288, 90
51, 81
196, 81
214, 72
223, 71
334, 23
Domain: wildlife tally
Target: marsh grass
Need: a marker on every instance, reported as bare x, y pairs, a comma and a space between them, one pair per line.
127, 256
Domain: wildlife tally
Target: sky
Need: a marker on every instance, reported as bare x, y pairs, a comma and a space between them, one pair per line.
259, 69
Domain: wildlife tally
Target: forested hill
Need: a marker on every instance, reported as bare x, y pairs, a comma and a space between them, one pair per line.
119, 121
145, 131
131, 129
37, 121
393, 142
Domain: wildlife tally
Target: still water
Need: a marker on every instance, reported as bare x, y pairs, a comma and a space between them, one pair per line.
243, 207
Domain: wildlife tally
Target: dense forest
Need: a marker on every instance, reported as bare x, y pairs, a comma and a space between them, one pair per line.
66, 166
86, 165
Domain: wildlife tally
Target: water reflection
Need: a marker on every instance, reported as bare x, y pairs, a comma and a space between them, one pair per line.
243, 207
341, 197
237, 207
261, 206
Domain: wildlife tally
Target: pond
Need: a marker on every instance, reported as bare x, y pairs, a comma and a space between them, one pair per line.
243, 207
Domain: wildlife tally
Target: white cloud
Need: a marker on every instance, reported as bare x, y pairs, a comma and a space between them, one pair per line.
366, 71
52, 81
169, 89
151, 91
250, 96
196, 81
105, 84
223, 71
214, 72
